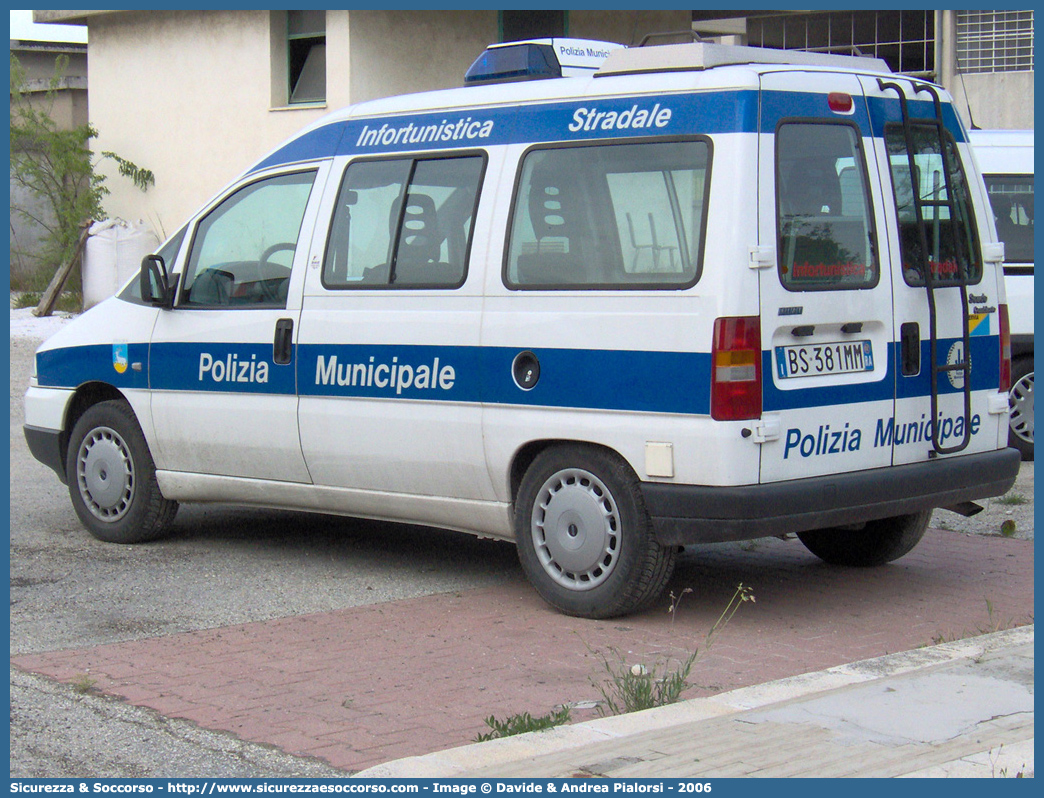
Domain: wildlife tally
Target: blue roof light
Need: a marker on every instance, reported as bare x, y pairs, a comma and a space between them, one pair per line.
538, 59
524, 61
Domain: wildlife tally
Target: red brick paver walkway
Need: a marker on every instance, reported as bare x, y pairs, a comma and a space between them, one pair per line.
361, 686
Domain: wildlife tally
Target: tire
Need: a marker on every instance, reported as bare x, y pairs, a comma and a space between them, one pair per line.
1020, 400
584, 537
112, 478
879, 542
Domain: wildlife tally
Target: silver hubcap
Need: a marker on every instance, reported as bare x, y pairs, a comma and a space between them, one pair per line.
1021, 402
576, 529
105, 474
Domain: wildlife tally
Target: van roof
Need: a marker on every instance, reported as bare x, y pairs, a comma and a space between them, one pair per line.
709, 55
679, 65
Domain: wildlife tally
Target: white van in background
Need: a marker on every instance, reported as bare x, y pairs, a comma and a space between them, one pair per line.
1006, 160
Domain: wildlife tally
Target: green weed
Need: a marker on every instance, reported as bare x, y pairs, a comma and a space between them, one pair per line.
632, 688
83, 684
522, 723
1013, 499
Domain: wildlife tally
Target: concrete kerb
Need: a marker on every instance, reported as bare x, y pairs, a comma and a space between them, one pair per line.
458, 762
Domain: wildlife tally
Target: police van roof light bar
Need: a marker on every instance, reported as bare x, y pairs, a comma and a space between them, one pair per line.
538, 59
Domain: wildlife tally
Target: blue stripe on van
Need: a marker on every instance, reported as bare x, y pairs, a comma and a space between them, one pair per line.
653, 382
576, 120
663, 382
221, 367
73, 366
711, 112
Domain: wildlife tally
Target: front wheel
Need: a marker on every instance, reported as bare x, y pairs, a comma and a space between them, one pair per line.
1020, 401
584, 537
112, 478
877, 543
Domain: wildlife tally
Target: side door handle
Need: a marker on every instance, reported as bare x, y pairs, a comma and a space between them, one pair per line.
910, 348
283, 347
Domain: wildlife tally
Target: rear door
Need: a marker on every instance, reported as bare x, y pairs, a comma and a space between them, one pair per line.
826, 294
938, 234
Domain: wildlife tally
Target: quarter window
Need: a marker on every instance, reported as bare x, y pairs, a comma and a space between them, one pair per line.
610, 216
403, 223
945, 225
826, 238
244, 248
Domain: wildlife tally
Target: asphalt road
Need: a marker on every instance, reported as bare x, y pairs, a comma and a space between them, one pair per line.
221, 566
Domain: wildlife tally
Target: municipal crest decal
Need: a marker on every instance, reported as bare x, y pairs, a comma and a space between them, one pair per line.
120, 357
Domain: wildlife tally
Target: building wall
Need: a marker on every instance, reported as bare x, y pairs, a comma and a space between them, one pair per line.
400, 52
194, 95
998, 101
199, 122
185, 94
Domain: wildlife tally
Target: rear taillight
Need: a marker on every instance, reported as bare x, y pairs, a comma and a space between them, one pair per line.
1005, 351
736, 369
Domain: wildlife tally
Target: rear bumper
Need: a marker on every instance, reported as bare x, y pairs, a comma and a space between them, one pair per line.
684, 514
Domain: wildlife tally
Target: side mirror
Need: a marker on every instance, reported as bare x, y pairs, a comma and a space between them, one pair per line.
156, 288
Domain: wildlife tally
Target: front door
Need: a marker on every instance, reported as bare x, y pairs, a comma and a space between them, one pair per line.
222, 360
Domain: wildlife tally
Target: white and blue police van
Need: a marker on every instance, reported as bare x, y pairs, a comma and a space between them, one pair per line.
1006, 160
700, 293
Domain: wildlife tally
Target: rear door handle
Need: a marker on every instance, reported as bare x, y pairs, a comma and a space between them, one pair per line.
283, 347
910, 348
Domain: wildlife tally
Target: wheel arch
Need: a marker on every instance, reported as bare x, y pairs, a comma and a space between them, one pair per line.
85, 397
529, 452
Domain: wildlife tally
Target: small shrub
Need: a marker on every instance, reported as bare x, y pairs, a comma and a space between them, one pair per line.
68, 301
632, 688
522, 723
1013, 499
83, 684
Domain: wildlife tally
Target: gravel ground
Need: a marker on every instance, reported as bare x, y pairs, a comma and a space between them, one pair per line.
1016, 507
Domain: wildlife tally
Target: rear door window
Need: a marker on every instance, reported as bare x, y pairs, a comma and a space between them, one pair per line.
946, 225
824, 228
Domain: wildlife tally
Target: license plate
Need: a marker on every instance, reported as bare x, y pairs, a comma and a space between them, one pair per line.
819, 360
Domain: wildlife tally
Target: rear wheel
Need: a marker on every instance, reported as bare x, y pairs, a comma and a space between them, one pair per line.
877, 543
112, 478
1020, 401
584, 537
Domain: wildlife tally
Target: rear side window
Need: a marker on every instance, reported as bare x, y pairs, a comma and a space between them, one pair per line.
824, 227
403, 223
610, 216
946, 220
1012, 199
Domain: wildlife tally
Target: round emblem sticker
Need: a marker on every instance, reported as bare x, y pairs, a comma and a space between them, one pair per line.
953, 357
